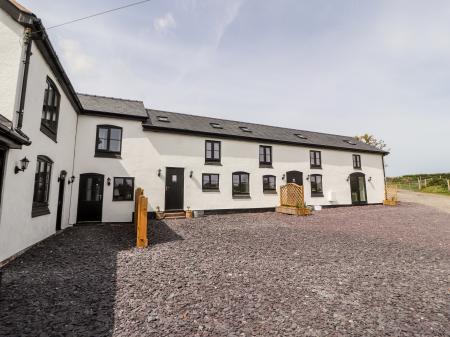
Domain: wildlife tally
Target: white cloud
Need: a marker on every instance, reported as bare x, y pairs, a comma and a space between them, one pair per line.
75, 58
164, 23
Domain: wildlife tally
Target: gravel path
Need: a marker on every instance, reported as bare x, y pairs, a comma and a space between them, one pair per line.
360, 271
438, 201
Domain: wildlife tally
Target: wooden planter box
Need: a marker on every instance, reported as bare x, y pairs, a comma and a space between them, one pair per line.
293, 210
189, 214
390, 202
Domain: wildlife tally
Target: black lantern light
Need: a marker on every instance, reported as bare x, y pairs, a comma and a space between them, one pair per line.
71, 180
191, 174
108, 181
159, 172
23, 165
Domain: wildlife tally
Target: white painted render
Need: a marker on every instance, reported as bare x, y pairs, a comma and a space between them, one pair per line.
144, 152
11, 41
18, 229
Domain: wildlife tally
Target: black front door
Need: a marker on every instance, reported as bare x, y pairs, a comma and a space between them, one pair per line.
358, 188
2, 166
62, 180
295, 177
90, 197
174, 188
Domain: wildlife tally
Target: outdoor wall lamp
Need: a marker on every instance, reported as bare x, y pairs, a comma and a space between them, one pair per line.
284, 176
307, 177
71, 180
108, 181
370, 179
348, 178
191, 174
159, 172
62, 176
23, 165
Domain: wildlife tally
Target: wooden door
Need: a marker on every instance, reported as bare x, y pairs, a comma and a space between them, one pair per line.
90, 197
295, 177
174, 188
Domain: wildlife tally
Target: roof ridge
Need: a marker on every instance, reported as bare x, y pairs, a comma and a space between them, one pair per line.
110, 97
258, 124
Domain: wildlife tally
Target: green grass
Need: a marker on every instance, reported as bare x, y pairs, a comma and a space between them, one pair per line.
435, 183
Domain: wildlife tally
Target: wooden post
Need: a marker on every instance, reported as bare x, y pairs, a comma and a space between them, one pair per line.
139, 191
448, 184
420, 184
141, 232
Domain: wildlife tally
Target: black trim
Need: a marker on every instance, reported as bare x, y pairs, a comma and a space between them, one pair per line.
40, 207
23, 92
108, 153
356, 161
47, 128
352, 205
39, 211
213, 160
265, 149
114, 198
238, 210
316, 193
314, 160
269, 190
210, 189
157, 128
113, 115
240, 174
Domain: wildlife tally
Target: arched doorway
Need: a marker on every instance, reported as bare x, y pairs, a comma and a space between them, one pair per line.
295, 177
358, 188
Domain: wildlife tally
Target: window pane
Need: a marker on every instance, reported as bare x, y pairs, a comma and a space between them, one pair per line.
114, 145
116, 134
268, 156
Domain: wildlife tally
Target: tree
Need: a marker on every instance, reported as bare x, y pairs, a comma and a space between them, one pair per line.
371, 140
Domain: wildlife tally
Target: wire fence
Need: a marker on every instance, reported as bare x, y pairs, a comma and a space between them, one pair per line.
432, 184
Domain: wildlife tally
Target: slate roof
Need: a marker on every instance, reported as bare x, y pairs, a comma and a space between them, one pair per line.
178, 122
112, 106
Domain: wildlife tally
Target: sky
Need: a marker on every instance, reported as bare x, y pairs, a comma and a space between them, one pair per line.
345, 67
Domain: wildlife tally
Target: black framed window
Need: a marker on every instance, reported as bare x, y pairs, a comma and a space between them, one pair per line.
356, 161
108, 141
269, 183
265, 155
210, 182
315, 159
241, 183
50, 110
212, 151
316, 185
42, 186
123, 189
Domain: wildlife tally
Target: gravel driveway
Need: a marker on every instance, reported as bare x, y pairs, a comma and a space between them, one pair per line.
360, 271
438, 201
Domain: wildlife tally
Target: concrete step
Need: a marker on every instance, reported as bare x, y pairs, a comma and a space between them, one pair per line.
174, 215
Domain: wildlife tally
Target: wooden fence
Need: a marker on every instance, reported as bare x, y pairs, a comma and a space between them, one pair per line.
390, 197
140, 218
291, 195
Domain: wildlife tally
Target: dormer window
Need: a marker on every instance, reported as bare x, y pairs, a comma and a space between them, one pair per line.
164, 119
216, 125
50, 110
349, 141
299, 135
245, 129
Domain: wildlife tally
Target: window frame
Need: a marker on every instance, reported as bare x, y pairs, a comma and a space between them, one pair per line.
46, 128
207, 189
40, 207
213, 159
114, 198
269, 190
265, 163
357, 162
240, 174
313, 159
107, 153
316, 193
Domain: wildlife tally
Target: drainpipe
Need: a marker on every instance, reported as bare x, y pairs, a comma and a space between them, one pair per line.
26, 62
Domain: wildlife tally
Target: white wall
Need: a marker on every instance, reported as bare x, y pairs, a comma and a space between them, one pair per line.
144, 152
11, 39
18, 229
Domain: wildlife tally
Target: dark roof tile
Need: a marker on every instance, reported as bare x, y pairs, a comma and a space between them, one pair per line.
111, 105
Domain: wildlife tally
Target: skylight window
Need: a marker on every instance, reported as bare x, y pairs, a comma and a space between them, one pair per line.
216, 125
245, 129
163, 119
299, 135
348, 141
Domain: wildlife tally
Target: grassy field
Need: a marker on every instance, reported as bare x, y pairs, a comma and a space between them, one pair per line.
429, 183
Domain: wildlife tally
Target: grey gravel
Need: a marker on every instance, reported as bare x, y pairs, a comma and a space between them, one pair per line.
360, 271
